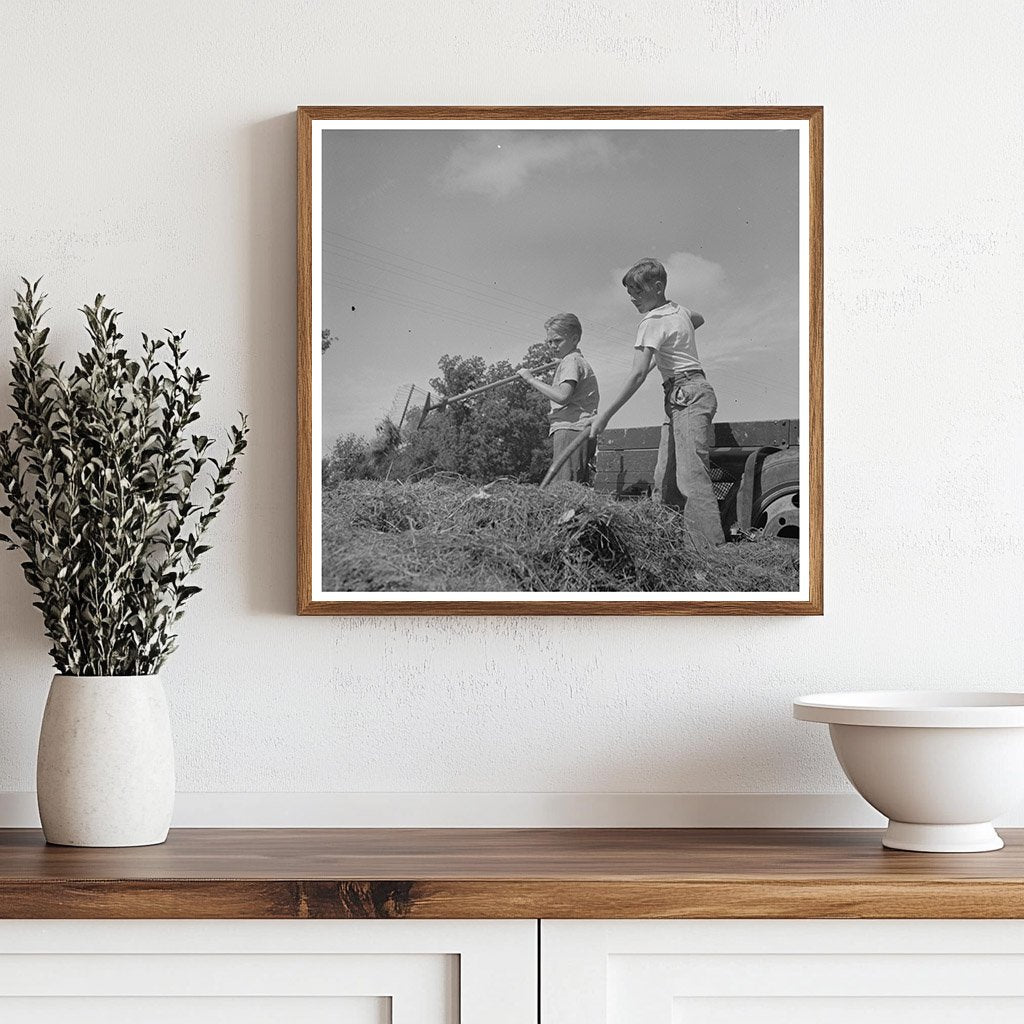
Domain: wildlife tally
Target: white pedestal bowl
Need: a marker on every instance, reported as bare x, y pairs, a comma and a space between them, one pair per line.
940, 766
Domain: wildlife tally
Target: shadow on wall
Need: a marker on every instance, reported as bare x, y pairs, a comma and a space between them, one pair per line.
269, 148
266, 176
21, 626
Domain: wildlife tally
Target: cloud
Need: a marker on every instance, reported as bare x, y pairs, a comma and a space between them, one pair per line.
769, 310
693, 278
692, 281
496, 164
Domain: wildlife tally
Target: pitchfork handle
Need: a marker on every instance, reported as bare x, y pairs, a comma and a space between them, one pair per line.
561, 460
492, 385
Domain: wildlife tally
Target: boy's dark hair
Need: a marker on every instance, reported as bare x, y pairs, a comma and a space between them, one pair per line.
645, 273
567, 323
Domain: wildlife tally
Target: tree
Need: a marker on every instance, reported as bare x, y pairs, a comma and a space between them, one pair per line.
326, 339
355, 458
345, 461
503, 433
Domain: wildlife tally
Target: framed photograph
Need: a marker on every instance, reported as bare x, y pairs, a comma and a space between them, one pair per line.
560, 360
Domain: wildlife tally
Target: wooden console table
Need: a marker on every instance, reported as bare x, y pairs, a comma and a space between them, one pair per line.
495, 926
507, 873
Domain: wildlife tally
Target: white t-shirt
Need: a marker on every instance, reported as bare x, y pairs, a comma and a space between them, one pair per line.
669, 331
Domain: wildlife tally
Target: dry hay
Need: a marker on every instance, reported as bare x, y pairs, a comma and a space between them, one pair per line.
448, 535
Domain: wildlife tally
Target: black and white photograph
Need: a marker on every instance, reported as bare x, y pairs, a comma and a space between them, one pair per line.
559, 360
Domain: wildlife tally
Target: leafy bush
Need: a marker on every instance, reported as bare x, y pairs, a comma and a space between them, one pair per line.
103, 488
346, 460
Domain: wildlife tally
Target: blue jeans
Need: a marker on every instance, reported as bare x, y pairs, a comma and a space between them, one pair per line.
682, 476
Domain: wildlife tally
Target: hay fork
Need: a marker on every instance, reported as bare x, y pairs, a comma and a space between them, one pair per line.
504, 382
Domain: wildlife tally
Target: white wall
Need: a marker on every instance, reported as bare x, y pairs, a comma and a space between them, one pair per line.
148, 152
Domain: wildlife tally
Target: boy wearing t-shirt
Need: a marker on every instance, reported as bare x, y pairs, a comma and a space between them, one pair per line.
665, 338
573, 394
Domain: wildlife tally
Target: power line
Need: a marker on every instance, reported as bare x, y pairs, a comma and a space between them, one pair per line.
452, 273
382, 266
752, 379
467, 319
383, 296
436, 282
741, 382
422, 306
387, 265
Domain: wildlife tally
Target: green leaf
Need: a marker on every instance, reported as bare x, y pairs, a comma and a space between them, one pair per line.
97, 470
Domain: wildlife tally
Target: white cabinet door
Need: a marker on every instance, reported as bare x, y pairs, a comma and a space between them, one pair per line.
782, 972
258, 972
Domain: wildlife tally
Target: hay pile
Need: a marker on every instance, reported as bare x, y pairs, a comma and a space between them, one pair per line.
448, 535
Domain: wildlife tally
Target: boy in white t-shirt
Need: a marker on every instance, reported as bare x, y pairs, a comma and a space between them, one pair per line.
573, 394
665, 338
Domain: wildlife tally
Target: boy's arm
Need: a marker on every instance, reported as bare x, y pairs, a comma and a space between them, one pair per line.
643, 362
558, 393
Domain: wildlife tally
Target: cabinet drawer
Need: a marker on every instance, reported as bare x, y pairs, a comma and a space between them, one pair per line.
782, 972
301, 972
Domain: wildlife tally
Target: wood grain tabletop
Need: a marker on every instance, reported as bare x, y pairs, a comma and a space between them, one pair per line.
508, 873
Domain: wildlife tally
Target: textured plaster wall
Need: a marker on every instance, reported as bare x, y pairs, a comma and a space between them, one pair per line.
148, 152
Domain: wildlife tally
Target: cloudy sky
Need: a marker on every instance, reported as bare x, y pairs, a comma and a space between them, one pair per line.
465, 241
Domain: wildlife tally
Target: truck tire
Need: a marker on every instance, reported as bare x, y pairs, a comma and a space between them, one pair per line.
778, 497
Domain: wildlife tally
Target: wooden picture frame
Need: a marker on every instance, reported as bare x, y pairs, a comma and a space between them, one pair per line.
313, 121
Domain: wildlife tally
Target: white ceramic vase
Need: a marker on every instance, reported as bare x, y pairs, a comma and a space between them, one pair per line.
105, 771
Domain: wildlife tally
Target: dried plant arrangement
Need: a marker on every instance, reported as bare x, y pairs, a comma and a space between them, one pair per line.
109, 495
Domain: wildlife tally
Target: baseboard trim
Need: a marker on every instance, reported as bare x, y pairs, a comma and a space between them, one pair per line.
504, 810
496, 810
